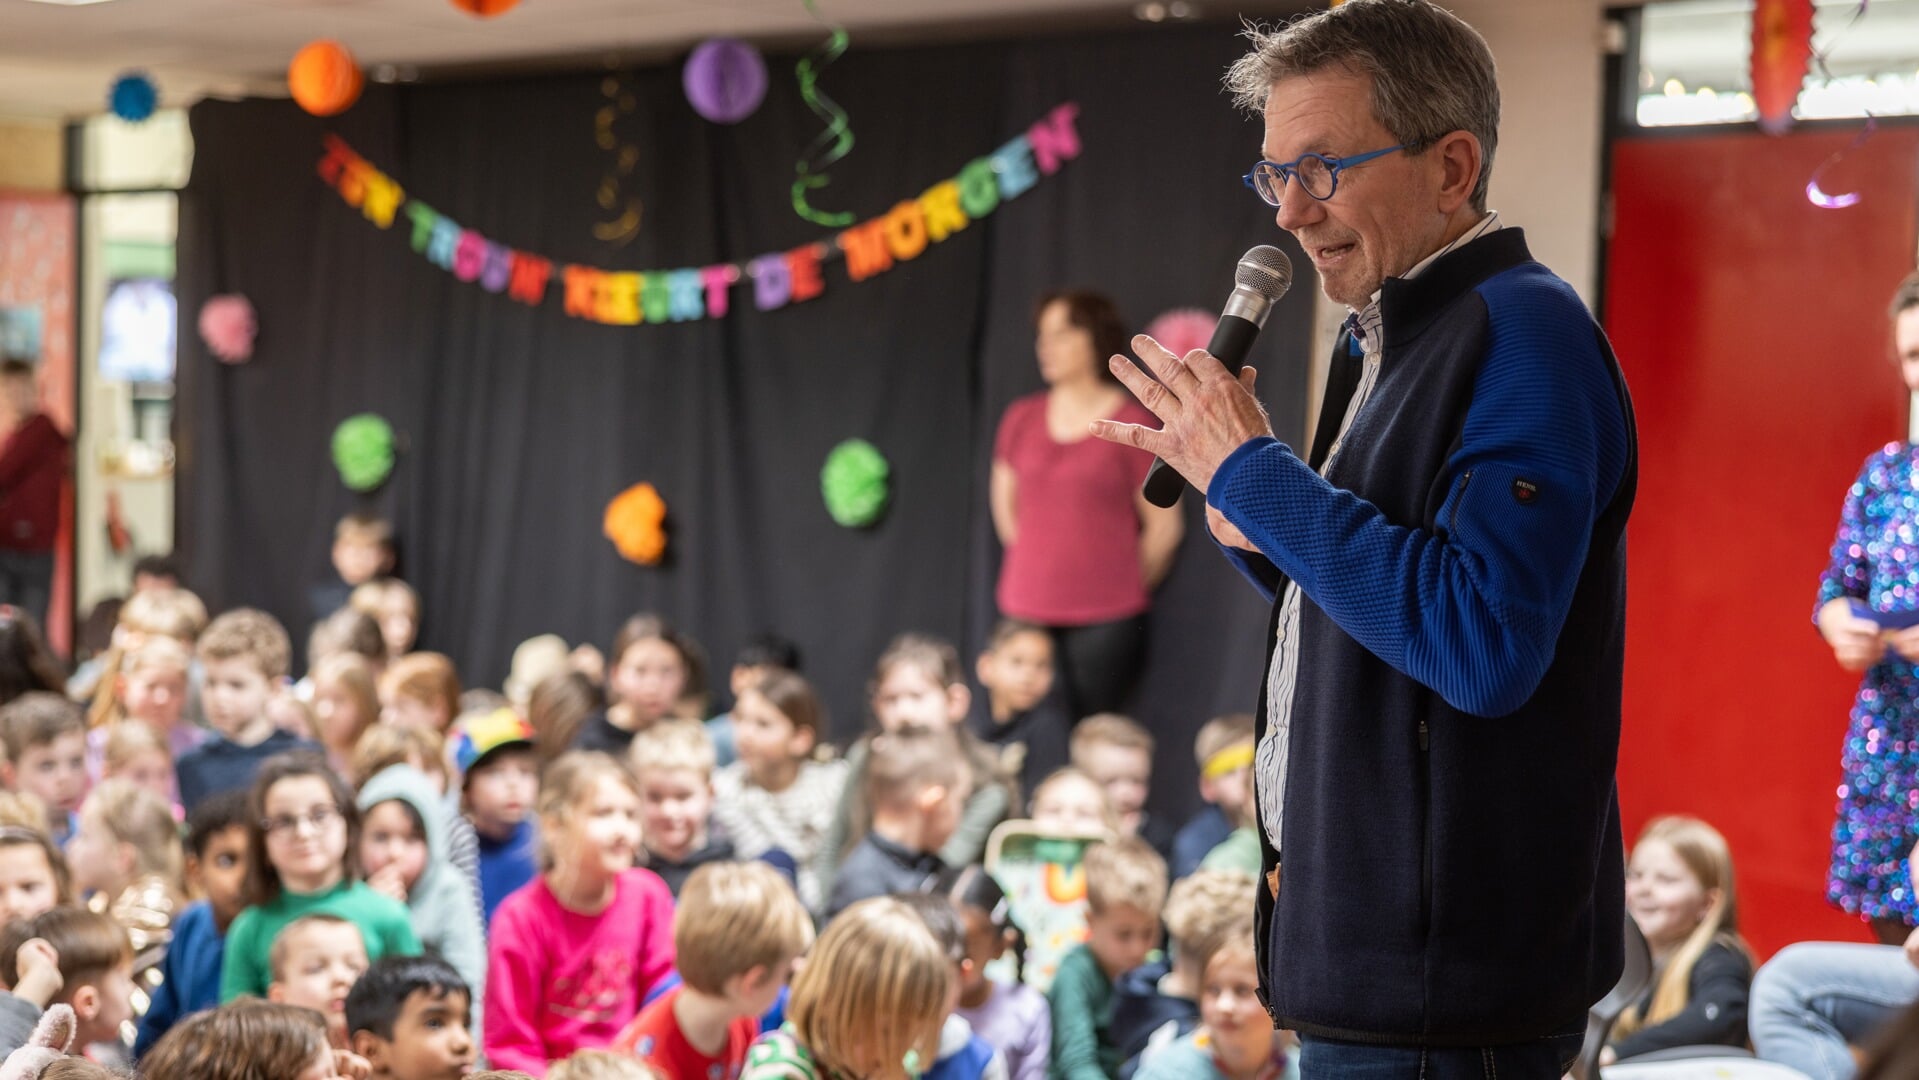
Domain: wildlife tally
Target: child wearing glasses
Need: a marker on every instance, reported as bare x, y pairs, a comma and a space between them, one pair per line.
301, 826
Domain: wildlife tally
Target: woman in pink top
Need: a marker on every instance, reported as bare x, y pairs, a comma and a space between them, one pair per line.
573, 954
1084, 550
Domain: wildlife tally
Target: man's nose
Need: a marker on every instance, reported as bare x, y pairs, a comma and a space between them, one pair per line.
1297, 209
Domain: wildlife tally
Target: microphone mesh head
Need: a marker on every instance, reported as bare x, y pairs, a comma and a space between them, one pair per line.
1265, 270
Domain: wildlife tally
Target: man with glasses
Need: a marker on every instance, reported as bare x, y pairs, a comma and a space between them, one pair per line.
1440, 719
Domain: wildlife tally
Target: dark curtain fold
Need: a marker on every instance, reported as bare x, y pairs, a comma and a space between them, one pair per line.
519, 424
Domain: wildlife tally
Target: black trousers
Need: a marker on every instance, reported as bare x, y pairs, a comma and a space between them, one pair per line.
1098, 665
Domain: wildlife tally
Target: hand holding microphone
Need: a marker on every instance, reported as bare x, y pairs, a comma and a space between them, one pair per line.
1205, 409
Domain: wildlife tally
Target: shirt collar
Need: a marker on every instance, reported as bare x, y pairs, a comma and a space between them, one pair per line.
1364, 323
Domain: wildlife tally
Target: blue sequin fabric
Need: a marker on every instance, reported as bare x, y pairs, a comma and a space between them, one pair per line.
1875, 558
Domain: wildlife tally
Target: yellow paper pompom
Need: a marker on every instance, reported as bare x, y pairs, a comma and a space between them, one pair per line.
636, 523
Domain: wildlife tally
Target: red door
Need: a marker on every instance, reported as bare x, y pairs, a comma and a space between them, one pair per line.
1752, 329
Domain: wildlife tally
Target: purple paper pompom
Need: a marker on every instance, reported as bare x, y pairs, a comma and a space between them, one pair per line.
228, 326
725, 79
1182, 330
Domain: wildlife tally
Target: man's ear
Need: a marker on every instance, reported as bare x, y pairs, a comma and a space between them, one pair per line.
1459, 155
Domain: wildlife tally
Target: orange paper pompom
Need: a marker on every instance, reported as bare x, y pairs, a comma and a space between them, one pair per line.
324, 78
486, 9
636, 523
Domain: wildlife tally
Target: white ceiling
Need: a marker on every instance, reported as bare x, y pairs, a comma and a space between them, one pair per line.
58, 61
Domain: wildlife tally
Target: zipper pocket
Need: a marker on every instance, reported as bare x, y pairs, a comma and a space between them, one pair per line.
1452, 523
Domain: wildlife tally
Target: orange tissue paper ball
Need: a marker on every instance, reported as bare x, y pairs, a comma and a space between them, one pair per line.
636, 523
324, 79
486, 9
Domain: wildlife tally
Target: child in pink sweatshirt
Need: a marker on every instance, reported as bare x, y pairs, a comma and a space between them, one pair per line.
573, 954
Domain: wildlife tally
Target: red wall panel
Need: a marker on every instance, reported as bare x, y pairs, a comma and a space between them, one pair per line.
1751, 326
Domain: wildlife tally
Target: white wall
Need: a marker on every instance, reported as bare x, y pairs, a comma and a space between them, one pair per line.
1546, 172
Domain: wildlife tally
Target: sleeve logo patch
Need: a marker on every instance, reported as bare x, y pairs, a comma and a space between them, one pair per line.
1525, 492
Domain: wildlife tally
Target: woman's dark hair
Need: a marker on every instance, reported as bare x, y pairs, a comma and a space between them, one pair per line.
25, 662
1096, 314
263, 881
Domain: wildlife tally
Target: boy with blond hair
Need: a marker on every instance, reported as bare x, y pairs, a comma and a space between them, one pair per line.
737, 934
1125, 892
245, 655
674, 761
1118, 754
46, 751
1156, 1003
1223, 750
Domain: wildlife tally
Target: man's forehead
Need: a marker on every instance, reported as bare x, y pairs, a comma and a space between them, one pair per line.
1314, 110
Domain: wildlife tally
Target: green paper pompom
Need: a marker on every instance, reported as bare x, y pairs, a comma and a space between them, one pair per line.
854, 483
363, 451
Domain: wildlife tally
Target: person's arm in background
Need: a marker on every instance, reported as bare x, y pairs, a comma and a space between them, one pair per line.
513, 996
988, 805
1075, 1027
1856, 643
1003, 493
1160, 531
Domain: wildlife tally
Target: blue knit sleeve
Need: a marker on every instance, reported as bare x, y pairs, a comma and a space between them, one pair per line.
1473, 607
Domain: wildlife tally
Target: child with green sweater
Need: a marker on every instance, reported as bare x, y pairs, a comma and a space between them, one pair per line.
302, 824
1125, 890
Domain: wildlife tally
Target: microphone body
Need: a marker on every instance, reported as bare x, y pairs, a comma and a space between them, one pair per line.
1262, 277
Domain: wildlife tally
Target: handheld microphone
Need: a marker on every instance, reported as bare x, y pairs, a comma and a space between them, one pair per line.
1263, 275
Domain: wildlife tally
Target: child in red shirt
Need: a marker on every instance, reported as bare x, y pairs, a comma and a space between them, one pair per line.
737, 933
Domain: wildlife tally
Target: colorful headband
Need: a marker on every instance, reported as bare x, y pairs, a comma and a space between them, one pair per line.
1231, 759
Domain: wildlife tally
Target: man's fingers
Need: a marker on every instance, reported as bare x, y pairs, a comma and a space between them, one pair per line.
1247, 377
1171, 370
1159, 400
1129, 435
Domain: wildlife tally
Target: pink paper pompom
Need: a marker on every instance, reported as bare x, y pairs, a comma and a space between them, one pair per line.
228, 326
1182, 330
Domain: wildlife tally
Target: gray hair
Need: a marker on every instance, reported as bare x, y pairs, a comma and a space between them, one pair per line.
1432, 74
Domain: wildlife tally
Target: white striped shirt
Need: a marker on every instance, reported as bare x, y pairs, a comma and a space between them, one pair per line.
1282, 676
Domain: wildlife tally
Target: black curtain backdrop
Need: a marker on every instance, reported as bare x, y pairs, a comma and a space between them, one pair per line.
519, 424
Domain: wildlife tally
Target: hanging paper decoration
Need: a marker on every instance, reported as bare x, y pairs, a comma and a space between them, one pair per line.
854, 483
228, 326
779, 278
363, 451
324, 78
830, 145
1816, 193
486, 9
622, 229
133, 97
725, 80
1182, 330
636, 523
1781, 49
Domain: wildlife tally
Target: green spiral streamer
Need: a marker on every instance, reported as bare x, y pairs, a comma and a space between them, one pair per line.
830, 145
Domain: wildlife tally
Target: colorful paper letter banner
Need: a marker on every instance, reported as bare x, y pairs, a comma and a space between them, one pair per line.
632, 297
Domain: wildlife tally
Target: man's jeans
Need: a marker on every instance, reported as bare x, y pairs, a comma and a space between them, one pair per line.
26, 582
1812, 999
1545, 1059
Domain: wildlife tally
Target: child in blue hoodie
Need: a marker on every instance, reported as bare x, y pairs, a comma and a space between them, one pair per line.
217, 868
500, 783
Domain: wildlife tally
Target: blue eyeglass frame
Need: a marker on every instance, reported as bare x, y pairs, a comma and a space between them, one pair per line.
1334, 166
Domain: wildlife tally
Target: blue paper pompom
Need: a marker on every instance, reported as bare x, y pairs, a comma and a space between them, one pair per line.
134, 97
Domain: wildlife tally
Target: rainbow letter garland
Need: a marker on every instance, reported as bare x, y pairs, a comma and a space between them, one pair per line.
631, 297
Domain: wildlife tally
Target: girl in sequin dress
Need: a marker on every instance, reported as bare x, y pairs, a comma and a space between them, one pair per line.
1875, 560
